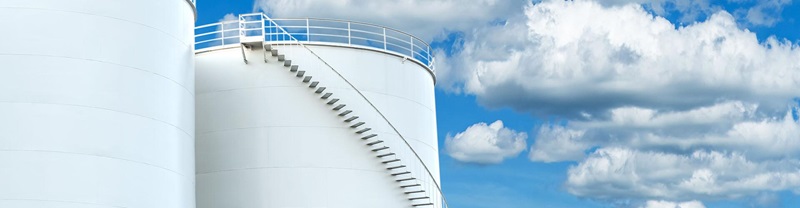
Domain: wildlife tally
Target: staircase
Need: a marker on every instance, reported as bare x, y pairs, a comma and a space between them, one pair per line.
411, 186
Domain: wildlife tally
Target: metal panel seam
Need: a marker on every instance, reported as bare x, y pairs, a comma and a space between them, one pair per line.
106, 109
100, 156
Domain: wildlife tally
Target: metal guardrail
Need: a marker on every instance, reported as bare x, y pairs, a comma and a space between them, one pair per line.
256, 27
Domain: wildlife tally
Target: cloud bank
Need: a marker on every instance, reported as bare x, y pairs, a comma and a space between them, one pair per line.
578, 57
654, 111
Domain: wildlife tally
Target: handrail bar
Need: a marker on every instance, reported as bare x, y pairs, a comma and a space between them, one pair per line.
356, 22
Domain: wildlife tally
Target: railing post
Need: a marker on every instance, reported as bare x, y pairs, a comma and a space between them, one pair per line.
384, 38
241, 27
349, 38
222, 30
263, 29
412, 45
308, 31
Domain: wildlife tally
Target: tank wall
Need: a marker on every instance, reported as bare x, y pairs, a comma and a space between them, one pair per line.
265, 139
402, 90
97, 99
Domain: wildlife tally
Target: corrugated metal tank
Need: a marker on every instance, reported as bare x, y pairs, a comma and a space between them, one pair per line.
97, 104
265, 139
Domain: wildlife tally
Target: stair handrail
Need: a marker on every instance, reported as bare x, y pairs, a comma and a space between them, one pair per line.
435, 183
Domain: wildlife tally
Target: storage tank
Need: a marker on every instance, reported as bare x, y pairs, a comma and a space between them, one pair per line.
97, 104
314, 113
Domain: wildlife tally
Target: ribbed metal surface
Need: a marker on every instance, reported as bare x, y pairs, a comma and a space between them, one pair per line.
96, 104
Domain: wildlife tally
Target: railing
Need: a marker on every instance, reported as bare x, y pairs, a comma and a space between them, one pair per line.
253, 27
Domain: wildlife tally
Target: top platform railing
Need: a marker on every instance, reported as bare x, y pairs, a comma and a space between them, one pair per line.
255, 27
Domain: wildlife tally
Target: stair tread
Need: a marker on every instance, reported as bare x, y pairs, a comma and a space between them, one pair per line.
414, 192
396, 167
333, 101
363, 130
357, 124
391, 161
387, 154
339, 107
380, 148
345, 113
400, 173
369, 136
418, 198
405, 179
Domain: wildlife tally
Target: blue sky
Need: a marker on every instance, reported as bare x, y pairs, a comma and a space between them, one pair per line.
591, 93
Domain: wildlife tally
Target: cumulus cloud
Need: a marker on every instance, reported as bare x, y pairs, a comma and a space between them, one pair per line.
424, 18
556, 143
486, 144
626, 173
571, 57
668, 204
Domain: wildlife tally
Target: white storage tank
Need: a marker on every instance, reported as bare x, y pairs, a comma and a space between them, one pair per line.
278, 127
97, 104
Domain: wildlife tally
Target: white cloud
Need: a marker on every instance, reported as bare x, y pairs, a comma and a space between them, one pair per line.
729, 126
556, 143
423, 18
668, 204
612, 173
229, 17
486, 144
567, 57
722, 151
764, 13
